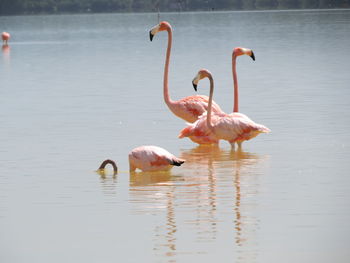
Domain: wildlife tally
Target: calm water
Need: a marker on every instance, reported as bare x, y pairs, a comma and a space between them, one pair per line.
77, 89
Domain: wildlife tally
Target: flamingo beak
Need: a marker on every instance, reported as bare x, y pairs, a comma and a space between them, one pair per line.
195, 81
252, 55
194, 86
154, 30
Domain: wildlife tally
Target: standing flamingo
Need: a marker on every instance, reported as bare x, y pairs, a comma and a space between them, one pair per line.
5, 37
238, 51
228, 127
152, 158
188, 108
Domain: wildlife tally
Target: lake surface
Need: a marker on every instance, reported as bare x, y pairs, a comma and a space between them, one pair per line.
77, 89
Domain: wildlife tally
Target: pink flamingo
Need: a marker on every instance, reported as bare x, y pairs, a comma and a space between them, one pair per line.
238, 51
188, 108
228, 127
5, 37
152, 158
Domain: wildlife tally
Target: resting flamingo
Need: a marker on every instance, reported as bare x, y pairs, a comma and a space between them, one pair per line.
152, 158
188, 108
5, 37
228, 127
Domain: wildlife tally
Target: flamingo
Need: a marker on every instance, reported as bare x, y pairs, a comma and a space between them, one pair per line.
5, 37
152, 158
228, 127
188, 108
238, 51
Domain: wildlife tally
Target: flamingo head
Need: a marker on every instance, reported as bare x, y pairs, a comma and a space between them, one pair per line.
239, 51
203, 73
162, 26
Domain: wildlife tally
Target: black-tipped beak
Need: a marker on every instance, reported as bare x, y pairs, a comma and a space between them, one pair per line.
194, 86
150, 35
252, 56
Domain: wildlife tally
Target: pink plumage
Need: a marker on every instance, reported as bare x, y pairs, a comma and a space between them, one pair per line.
5, 37
234, 127
192, 107
199, 132
152, 158
188, 108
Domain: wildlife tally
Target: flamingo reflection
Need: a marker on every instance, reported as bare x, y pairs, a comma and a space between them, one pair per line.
155, 192
245, 223
218, 163
108, 178
197, 200
6, 52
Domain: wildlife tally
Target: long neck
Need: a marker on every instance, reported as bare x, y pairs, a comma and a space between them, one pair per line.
167, 99
108, 161
210, 102
235, 84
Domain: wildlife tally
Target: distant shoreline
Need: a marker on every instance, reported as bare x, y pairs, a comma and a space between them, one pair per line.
174, 12
48, 7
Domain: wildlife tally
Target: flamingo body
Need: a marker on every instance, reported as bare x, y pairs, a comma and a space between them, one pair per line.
152, 158
191, 107
199, 132
234, 127
188, 108
5, 37
229, 127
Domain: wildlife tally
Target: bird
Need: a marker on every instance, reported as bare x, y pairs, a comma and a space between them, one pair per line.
238, 51
152, 158
188, 108
5, 37
222, 126
104, 164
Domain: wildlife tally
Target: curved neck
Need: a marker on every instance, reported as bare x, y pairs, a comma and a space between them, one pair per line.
167, 99
210, 101
105, 162
235, 84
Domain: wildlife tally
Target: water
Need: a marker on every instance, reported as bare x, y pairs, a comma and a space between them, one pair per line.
76, 89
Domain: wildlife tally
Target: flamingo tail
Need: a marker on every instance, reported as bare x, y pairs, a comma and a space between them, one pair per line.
177, 162
263, 129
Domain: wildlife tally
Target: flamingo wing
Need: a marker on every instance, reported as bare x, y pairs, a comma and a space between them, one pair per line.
235, 128
191, 107
199, 132
152, 158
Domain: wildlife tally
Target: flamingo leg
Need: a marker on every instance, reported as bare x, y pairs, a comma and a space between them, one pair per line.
232, 146
239, 144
